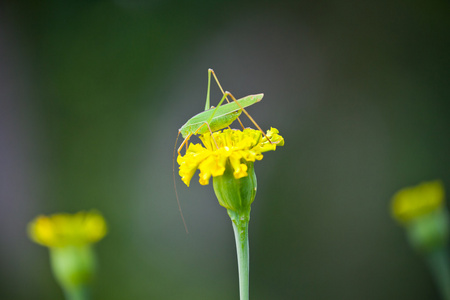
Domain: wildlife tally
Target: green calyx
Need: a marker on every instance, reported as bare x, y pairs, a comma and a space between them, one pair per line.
236, 194
429, 232
73, 266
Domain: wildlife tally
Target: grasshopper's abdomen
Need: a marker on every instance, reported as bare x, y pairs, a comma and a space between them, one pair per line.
222, 116
222, 122
194, 126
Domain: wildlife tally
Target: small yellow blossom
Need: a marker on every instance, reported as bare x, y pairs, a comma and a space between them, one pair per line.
61, 230
228, 146
412, 202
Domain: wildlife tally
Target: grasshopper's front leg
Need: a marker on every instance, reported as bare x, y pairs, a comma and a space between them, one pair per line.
186, 140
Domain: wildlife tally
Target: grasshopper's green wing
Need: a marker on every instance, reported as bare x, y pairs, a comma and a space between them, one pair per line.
224, 115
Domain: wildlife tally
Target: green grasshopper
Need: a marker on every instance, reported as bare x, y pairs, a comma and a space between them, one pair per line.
216, 118
213, 119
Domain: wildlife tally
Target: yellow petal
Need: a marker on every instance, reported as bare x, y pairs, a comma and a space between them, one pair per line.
64, 229
222, 146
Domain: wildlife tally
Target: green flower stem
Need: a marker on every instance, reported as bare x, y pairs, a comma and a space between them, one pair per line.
439, 265
80, 293
240, 222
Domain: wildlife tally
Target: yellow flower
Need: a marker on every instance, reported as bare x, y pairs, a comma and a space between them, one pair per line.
61, 230
412, 202
233, 146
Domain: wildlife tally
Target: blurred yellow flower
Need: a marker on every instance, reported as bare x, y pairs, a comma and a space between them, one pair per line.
228, 146
62, 230
412, 202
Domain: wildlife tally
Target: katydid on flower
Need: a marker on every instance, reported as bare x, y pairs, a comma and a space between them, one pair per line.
214, 119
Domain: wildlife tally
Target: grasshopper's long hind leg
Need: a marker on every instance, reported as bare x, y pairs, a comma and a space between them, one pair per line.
211, 71
186, 140
175, 184
248, 115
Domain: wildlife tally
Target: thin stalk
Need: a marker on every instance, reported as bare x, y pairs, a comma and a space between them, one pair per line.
240, 227
439, 265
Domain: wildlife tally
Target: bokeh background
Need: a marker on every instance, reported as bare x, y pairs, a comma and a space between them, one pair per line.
92, 94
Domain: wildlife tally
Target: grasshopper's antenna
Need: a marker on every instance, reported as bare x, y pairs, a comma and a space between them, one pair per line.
175, 184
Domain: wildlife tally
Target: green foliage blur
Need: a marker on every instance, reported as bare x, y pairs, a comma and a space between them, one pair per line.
92, 94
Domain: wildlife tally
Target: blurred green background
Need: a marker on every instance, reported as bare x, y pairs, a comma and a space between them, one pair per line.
92, 94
